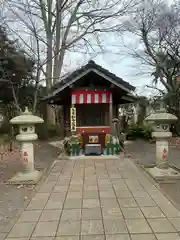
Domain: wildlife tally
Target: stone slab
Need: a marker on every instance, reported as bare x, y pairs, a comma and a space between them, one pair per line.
45, 229
143, 237
176, 223
65, 238
30, 216
3, 236
71, 214
138, 226
69, 228
127, 202
115, 226
132, 213
167, 236
92, 237
112, 213
22, 230
102, 157
118, 237
161, 225
90, 227
50, 215
152, 212
91, 213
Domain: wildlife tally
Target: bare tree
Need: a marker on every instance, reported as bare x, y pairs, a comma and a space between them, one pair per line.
64, 26
157, 26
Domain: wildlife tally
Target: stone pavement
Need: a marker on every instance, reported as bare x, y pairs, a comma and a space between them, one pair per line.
97, 200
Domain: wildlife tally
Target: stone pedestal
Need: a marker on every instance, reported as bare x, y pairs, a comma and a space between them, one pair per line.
27, 152
162, 148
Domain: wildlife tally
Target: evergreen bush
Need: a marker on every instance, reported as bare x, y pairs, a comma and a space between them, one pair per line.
46, 131
135, 131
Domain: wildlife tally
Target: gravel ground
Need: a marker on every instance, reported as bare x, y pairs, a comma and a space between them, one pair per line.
14, 198
144, 153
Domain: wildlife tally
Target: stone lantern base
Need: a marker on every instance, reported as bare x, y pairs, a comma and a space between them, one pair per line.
30, 178
163, 175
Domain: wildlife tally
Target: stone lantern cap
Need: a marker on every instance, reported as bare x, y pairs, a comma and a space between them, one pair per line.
26, 118
161, 117
115, 120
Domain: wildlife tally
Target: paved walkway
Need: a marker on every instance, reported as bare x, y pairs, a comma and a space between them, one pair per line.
97, 200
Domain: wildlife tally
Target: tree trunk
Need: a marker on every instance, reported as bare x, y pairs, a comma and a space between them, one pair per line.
50, 116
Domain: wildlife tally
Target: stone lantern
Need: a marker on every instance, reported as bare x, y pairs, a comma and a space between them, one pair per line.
161, 121
26, 136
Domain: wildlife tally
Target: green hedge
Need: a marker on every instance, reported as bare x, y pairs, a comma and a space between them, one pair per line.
46, 131
5, 127
136, 131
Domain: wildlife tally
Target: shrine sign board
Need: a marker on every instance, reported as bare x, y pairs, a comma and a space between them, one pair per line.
73, 119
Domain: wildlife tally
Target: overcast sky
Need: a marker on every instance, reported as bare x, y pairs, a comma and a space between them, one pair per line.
124, 68
117, 60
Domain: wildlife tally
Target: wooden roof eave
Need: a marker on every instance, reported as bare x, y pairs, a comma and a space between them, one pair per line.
130, 98
57, 91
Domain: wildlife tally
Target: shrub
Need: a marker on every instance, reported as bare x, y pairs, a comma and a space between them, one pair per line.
53, 131
5, 127
42, 132
136, 131
46, 131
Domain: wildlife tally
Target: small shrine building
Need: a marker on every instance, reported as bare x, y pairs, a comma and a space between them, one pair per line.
90, 99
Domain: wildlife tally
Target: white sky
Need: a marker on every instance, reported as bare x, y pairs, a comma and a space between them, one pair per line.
118, 61
123, 68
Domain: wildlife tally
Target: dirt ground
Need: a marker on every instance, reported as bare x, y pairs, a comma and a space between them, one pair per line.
13, 198
144, 153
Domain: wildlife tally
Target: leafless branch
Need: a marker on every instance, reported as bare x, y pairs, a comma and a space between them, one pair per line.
156, 88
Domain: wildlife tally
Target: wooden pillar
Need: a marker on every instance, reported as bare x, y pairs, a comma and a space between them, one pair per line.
111, 116
63, 121
67, 120
117, 111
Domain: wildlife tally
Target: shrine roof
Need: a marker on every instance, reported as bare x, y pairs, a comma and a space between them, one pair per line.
91, 66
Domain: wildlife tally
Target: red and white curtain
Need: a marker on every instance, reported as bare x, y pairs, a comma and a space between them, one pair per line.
91, 96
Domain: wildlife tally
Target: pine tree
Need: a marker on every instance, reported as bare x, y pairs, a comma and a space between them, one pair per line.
16, 69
